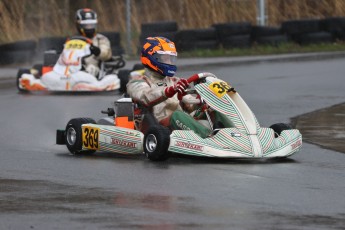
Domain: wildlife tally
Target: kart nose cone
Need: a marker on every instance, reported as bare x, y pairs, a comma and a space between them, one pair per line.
71, 136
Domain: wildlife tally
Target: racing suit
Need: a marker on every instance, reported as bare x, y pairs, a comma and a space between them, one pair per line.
92, 62
148, 90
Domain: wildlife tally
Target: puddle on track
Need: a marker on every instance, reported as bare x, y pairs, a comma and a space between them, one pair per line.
324, 127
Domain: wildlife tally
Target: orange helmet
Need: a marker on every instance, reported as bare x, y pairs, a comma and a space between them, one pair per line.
86, 22
159, 54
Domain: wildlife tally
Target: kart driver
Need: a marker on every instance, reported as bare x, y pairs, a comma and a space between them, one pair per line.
86, 23
159, 90
86, 77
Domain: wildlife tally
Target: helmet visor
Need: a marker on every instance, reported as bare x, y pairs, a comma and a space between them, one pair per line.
88, 24
168, 59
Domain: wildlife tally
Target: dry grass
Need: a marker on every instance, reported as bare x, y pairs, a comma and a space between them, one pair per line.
31, 19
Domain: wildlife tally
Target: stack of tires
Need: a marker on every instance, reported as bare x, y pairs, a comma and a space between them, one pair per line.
306, 31
234, 35
166, 29
194, 39
115, 41
17, 52
50, 43
265, 35
335, 26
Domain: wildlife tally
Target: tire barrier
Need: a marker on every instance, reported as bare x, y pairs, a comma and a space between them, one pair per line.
187, 40
335, 26
50, 43
29, 51
265, 35
17, 52
115, 41
234, 35
166, 29
306, 31
226, 35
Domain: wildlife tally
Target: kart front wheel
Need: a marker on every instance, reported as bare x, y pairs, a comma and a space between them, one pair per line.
279, 128
73, 135
156, 143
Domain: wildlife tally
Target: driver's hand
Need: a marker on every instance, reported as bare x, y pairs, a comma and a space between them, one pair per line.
179, 88
95, 50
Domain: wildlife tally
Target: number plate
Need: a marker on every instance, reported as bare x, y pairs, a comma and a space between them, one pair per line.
75, 44
219, 88
90, 137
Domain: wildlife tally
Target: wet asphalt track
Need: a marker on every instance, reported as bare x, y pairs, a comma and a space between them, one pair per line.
43, 187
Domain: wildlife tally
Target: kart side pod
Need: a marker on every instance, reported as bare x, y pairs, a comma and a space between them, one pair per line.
124, 113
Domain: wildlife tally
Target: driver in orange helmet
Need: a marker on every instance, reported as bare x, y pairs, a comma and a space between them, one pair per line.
160, 91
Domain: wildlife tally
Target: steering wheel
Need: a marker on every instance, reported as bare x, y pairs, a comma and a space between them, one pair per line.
116, 62
197, 78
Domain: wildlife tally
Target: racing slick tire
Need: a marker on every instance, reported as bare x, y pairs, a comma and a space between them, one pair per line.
156, 143
19, 74
73, 135
279, 127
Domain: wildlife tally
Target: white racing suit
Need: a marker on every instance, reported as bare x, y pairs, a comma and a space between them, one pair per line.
148, 91
91, 63
70, 73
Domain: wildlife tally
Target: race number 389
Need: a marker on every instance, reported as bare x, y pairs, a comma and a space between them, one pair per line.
220, 88
90, 137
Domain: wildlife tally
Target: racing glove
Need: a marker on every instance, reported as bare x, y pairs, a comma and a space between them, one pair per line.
179, 88
95, 50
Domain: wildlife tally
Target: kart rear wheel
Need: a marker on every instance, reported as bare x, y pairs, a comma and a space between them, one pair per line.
279, 127
156, 143
73, 135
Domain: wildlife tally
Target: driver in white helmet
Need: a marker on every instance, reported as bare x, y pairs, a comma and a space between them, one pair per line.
86, 23
83, 73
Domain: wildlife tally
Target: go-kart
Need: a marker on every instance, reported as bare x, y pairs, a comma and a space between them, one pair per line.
244, 138
67, 69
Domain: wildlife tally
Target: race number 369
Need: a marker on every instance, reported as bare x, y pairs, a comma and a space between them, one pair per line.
90, 137
219, 88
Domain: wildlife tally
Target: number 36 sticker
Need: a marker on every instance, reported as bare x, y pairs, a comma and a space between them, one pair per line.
220, 88
90, 137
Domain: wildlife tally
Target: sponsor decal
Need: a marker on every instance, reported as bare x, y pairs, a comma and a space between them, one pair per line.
181, 125
189, 145
161, 84
297, 144
67, 62
123, 143
133, 134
